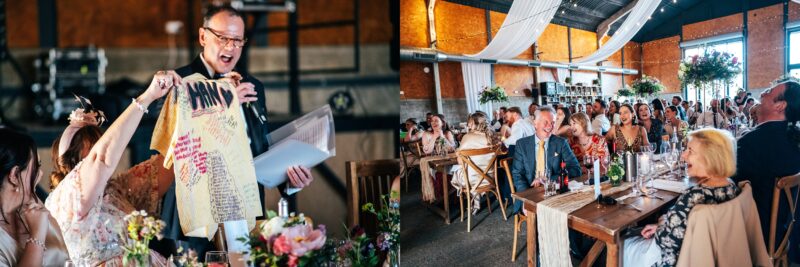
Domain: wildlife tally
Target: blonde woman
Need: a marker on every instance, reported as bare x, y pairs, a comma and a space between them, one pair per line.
479, 136
584, 142
711, 159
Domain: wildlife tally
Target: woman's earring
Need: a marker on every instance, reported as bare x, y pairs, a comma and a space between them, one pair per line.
16, 189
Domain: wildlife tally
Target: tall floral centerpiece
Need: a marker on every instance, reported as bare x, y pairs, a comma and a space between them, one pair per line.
647, 86
492, 94
711, 71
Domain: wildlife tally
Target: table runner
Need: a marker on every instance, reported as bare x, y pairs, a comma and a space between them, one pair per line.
552, 228
428, 192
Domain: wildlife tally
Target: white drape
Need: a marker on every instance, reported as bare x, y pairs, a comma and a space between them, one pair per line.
525, 22
636, 19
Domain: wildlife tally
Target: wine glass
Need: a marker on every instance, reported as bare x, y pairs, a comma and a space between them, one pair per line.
588, 162
217, 259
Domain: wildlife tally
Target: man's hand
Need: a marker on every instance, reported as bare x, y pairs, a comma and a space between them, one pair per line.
299, 176
246, 92
536, 183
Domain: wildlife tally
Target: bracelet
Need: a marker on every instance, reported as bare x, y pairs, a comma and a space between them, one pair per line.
139, 105
36, 242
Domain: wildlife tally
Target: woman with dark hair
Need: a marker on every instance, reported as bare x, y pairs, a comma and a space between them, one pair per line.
413, 133
729, 110
29, 236
627, 136
562, 123
655, 128
675, 125
658, 110
613, 112
439, 133
698, 112
89, 203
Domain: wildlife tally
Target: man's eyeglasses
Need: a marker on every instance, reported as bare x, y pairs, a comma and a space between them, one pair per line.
224, 41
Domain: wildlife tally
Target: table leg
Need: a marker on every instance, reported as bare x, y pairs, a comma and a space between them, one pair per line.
531, 240
597, 248
614, 255
446, 195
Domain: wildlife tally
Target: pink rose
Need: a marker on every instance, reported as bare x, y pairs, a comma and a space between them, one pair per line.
292, 261
694, 59
281, 246
302, 239
735, 60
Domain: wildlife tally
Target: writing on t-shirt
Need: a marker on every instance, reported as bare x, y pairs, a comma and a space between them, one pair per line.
204, 95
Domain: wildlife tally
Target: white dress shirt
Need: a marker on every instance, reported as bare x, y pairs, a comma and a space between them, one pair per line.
706, 119
520, 129
600, 124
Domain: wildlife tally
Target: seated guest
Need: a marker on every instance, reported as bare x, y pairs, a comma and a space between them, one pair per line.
771, 151
730, 111
657, 109
589, 109
533, 109
754, 115
748, 104
695, 114
711, 160
426, 125
520, 128
628, 135
87, 202
439, 133
600, 123
739, 99
479, 136
613, 112
499, 119
585, 142
655, 127
562, 122
30, 236
541, 153
676, 101
674, 124
713, 117
689, 111
413, 133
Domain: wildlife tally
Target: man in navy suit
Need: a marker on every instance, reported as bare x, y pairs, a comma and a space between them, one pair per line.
543, 150
771, 151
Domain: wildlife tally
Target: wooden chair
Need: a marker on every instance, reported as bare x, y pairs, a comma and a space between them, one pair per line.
367, 181
787, 185
465, 160
519, 218
415, 149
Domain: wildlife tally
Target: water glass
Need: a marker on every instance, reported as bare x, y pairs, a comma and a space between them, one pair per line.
217, 259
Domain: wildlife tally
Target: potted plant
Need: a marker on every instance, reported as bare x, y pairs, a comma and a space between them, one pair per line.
595, 81
492, 94
625, 92
647, 86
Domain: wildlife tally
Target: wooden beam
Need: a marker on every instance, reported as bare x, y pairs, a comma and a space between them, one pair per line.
605, 26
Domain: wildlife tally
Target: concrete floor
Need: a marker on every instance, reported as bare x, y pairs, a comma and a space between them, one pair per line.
427, 241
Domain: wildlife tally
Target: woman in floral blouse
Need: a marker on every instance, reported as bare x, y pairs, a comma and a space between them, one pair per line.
711, 159
584, 142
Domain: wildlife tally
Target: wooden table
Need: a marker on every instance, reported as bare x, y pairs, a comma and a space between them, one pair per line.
604, 223
441, 165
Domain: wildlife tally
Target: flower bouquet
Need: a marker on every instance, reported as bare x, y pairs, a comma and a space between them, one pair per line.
286, 242
647, 86
492, 94
139, 230
616, 171
712, 66
388, 239
625, 92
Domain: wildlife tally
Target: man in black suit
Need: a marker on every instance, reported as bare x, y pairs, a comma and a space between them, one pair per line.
222, 39
771, 151
528, 153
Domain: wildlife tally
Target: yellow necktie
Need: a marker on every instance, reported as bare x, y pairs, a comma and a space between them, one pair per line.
540, 158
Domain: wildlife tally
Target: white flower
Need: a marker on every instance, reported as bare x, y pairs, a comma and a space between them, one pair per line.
143, 213
272, 227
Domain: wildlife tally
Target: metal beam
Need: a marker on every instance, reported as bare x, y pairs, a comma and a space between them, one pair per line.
615, 2
587, 11
434, 56
294, 64
605, 26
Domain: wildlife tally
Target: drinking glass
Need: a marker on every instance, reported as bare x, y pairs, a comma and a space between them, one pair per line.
588, 162
217, 259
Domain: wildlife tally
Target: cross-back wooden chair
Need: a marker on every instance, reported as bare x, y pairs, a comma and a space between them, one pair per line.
519, 218
465, 160
367, 181
410, 153
787, 185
